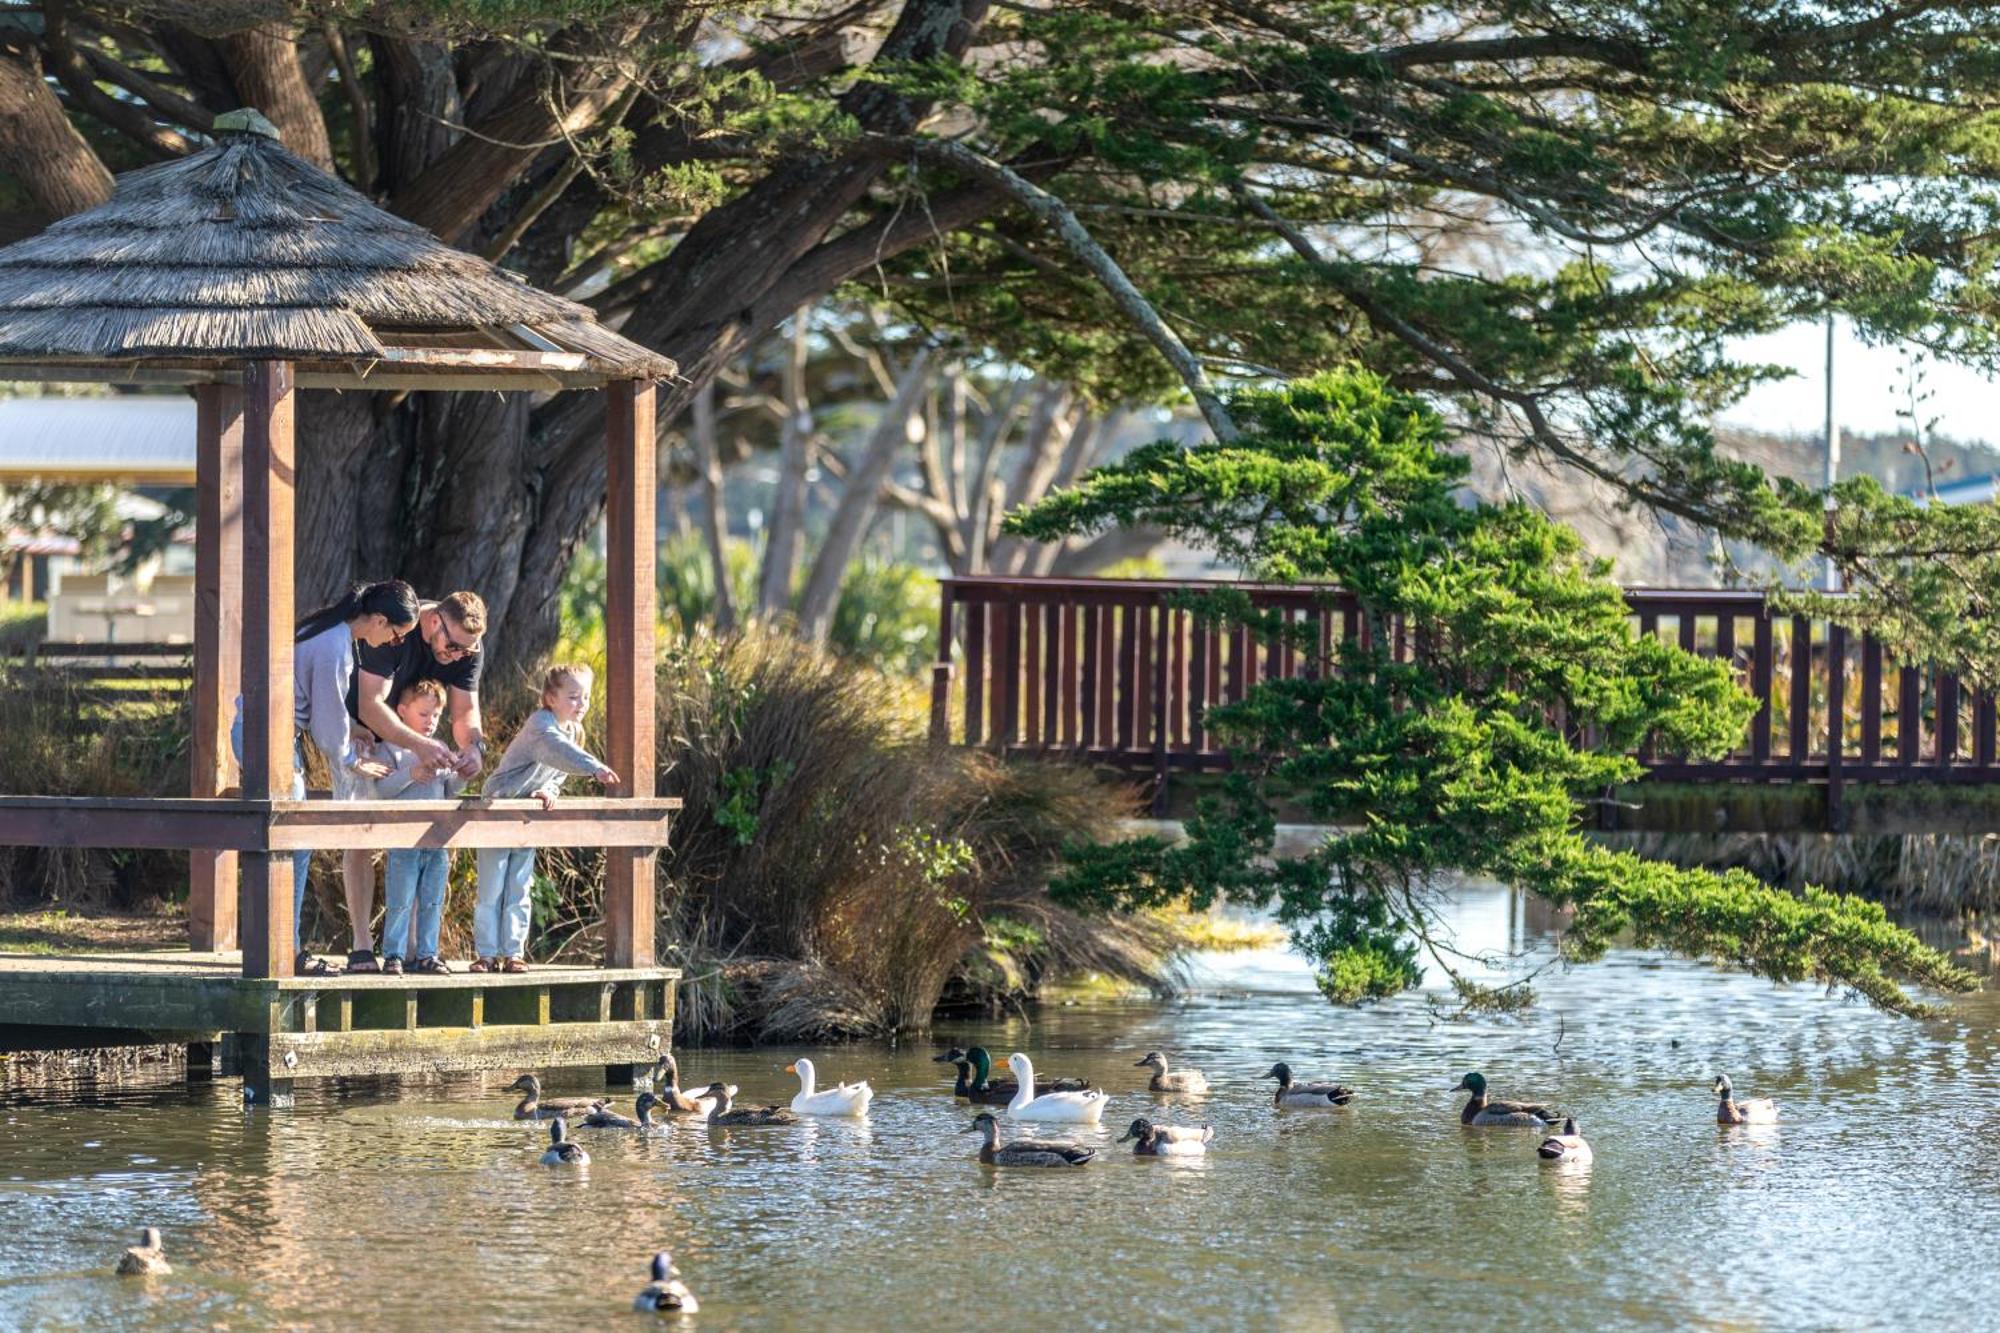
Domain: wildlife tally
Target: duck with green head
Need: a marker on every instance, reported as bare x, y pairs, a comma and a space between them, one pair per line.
1306, 1096
1153, 1140
606, 1118
974, 1085
1484, 1112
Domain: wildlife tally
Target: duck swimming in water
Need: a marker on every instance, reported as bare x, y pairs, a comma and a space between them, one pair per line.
1568, 1146
563, 1150
1306, 1096
606, 1118
666, 1293
1485, 1113
1186, 1080
725, 1115
674, 1102
844, 1099
974, 1085
1732, 1110
1024, 1152
532, 1106
1076, 1108
146, 1259
1168, 1140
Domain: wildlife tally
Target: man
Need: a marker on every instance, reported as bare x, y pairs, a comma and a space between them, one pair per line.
445, 648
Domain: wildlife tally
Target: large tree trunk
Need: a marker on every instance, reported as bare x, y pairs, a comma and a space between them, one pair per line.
785, 533
41, 149
714, 521
858, 502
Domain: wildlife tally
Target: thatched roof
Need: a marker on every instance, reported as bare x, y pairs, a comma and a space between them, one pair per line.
245, 251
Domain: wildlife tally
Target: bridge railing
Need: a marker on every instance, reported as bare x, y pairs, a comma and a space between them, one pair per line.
1107, 671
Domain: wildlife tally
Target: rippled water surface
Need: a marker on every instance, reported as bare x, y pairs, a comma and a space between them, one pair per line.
420, 1206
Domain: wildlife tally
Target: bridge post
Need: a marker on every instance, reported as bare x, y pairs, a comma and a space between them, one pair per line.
941, 670
1836, 721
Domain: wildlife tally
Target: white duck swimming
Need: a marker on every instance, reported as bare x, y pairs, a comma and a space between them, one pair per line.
845, 1099
1073, 1108
1566, 1147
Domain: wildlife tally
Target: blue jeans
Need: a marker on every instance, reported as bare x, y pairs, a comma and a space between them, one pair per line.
500, 913
301, 861
414, 878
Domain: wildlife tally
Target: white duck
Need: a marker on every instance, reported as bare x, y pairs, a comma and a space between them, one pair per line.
844, 1099
1072, 1108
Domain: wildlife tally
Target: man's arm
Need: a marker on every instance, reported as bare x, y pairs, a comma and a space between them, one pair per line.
371, 700
467, 729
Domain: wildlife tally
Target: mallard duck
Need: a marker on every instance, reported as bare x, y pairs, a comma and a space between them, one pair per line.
146, 1259
1567, 1146
843, 1099
1075, 1108
666, 1080
973, 1084
666, 1293
563, 1151
532, 1106
1747, 1111
1488, 1114
1024, 1152
1187, 1080
748, 1115
1306, 1096
606, 1118
1168, 1140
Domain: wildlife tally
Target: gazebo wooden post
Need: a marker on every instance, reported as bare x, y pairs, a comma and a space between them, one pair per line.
218, 646
268, 478
630, 613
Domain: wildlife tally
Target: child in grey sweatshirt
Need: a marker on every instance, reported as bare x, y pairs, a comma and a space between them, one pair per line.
415, 877
537, 760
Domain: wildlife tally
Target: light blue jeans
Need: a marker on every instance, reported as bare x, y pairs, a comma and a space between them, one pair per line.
414, 878
500, 913
301, 861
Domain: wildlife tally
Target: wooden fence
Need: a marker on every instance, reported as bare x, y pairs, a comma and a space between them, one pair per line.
1107, 671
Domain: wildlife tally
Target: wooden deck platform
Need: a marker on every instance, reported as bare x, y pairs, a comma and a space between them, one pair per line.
275, 1030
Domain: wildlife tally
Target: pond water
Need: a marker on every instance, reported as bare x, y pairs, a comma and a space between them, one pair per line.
419, 1205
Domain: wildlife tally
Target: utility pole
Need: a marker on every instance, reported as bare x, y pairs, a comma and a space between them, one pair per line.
1832, 579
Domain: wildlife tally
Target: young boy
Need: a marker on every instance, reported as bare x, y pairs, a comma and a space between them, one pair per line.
418, 877
545, 751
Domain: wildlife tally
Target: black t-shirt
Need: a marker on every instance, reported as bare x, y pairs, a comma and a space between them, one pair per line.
410, 660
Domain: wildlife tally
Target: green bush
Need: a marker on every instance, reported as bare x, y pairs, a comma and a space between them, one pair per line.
886, 617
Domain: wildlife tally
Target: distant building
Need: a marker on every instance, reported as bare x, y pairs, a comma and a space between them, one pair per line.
1966, 491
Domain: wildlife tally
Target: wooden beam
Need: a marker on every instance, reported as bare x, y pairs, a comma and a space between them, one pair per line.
179, 823
631, 489
218, 647
268, 479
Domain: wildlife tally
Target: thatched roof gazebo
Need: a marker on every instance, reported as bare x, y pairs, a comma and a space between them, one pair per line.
248, 273
246, 250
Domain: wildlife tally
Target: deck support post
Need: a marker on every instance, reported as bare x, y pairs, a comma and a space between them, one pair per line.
631, 498
268, 479
266, 1080
218, 647
200, 1061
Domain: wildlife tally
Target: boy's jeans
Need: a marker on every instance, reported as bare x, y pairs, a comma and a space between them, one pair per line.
419, 878
301, 861
500, 912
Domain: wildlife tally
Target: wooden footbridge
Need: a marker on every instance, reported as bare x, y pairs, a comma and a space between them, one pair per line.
243, 274
1112, 672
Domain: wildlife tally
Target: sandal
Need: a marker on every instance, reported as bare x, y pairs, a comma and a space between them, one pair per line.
309, 966
484, 965
433, 966
392, 967
514, 965
362, 960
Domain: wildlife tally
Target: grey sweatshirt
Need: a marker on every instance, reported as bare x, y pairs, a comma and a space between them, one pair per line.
539, 757
404, 784
321, 668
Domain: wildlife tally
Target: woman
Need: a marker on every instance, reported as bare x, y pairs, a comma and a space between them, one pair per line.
376, 614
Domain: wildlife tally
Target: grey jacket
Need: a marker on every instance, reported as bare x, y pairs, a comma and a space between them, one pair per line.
404, 784
539, 757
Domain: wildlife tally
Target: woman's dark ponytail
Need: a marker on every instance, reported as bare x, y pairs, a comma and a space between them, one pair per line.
392, 599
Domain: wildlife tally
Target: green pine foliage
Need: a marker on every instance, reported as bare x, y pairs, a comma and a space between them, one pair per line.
1450, 761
